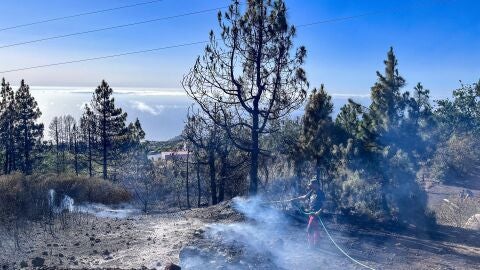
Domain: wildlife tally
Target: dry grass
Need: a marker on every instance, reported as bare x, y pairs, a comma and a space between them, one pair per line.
27, 196
456, 210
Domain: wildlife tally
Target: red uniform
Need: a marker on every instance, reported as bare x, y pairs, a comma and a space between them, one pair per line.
315, 202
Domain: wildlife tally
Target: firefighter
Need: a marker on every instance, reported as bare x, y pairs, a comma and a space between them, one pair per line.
314, 198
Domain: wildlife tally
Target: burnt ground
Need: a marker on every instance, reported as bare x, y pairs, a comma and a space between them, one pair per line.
154, 240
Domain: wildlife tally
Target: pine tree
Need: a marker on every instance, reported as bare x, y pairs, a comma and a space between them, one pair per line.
348, 120
28, 131
54, 132
387, 103
7, 126
384, 129
88, 128
110, 123
317, 129
252, 73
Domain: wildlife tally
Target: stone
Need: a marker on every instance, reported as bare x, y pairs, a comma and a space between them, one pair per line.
38, 262
172, 266
473, 223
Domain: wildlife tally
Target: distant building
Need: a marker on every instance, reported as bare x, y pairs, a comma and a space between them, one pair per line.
170, 155
175, 155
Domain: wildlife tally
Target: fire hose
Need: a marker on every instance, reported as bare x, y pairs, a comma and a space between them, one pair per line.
327, 232
333, 241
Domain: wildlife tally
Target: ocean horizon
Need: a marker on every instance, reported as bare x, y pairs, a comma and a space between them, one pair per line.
161, 111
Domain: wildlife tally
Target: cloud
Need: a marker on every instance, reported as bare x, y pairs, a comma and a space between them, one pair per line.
174, 92
143, 107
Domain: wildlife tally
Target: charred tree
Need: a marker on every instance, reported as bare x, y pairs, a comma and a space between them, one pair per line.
250, 75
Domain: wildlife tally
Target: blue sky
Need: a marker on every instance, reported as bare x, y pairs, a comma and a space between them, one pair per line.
437, 42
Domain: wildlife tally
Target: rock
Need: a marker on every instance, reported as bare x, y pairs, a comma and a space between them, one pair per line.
106, 252
172, 266
23, 264
60, 255
473, 223
38, 262
45, 253
97, 240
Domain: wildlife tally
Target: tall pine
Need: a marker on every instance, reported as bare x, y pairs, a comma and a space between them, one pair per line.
317, 129
28, 131
110, 123
385, 130
7, 126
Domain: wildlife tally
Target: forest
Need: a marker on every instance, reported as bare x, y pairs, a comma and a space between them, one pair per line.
375, 162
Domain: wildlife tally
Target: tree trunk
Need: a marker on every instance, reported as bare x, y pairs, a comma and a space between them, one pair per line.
254, 157
57, 148
318, 170
223, 176
26, 153
213, 181
198, 184
90, 168
76, 156
104, 157
187, 185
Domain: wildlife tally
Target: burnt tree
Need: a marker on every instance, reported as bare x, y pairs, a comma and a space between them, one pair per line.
251, 74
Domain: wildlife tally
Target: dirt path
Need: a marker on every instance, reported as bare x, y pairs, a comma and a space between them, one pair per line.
149, 241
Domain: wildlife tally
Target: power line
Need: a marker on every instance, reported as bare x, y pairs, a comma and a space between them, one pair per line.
339, 19
169, 47
80, 14
106, 56
112, 27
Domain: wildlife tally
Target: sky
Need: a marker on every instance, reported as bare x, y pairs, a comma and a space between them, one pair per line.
437, 43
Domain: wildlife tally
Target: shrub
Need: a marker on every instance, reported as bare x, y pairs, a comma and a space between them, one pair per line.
458, 158
27, 196
456, 210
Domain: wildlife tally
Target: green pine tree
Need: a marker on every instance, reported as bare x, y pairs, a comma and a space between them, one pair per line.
110, 123
317, 129
28, 132
7, 126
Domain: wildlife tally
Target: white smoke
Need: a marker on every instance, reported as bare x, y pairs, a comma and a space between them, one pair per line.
67, 204
268, 240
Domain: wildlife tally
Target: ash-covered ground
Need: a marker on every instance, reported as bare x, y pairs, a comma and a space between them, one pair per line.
239, 234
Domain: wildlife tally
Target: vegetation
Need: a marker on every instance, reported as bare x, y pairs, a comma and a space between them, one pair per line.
240, 138
26, 195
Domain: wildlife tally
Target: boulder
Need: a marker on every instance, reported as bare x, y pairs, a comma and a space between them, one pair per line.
473, 223
38, 262
171, 266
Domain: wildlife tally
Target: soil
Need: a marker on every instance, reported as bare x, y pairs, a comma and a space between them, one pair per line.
152, 241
